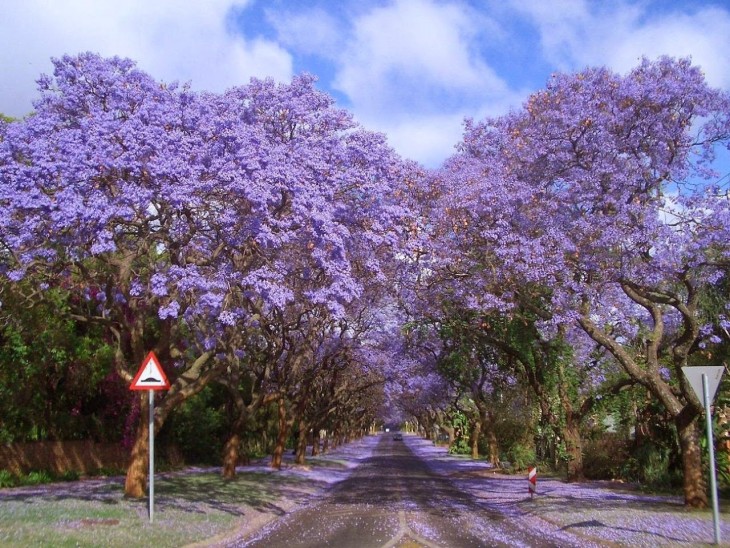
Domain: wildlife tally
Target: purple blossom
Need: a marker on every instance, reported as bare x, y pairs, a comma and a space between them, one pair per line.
227, 318
159, 285
16, 275
171, 310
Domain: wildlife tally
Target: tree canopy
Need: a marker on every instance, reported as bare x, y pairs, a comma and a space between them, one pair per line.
261, 239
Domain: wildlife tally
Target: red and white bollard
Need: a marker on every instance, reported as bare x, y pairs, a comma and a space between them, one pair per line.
532, 480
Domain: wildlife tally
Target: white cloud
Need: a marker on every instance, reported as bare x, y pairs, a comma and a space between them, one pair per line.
417, 53
313, 32
705, 36
412, 69
171, 39
577, 33
426, 139
430, 138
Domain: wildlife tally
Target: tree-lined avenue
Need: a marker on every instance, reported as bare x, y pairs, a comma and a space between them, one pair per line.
395, 498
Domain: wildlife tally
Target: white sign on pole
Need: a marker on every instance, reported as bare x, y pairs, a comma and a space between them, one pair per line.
713, 374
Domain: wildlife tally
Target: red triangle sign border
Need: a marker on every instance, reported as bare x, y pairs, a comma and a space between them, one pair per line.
154, 376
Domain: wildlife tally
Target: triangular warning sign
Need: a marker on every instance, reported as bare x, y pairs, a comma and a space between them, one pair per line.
150, 376
694, 376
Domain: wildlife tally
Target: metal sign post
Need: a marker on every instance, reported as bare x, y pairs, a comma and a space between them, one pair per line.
152, 454
704, 381
151, 377
711, 451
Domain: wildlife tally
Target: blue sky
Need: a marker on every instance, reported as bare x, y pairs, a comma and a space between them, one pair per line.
412, 69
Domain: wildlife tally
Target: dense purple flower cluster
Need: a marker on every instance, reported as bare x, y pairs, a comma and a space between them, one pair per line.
183, 200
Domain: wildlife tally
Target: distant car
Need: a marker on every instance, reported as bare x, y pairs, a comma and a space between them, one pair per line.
398, 436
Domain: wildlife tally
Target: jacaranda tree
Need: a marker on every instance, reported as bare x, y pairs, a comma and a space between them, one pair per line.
181, 216
587, 198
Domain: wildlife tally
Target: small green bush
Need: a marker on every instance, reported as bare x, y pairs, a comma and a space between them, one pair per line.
69, 475
521, 456
654, 466
7, 479
604, 457
198, 428
649, 465
36, 478
460, 447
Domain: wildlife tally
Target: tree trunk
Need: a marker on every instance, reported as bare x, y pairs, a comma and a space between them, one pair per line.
317, 439
232, 450
231, 455
683, 414
574, 450
493, 447
427, 428
476, 432
232, 447
276, 458
548, 422
302, 443
486, 421
695, 494
135, 484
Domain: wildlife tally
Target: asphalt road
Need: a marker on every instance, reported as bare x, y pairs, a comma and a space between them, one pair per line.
393, 499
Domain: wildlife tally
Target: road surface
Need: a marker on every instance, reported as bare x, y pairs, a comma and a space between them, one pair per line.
393, 499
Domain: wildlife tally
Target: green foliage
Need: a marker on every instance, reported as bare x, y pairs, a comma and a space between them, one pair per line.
722, 457
604, 456
521, 456
7, 479
512, 429
461, 445
51, 370
199, 426
713, 300
649, 465
36, 477
722, 462
69, 475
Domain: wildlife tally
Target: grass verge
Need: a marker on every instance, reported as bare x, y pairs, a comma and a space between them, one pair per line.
188, 508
